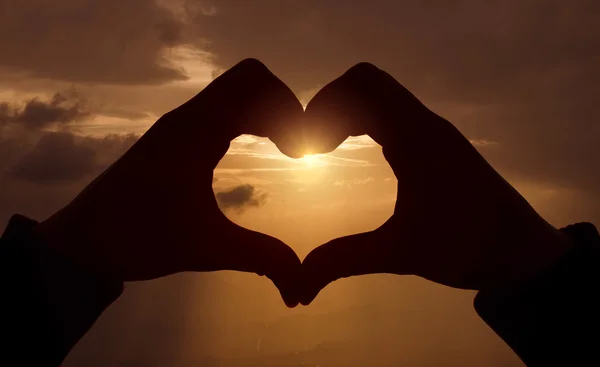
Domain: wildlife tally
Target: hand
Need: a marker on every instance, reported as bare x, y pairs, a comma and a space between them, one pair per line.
154, 213
456, 221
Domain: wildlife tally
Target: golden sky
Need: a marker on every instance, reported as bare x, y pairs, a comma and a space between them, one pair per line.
80, 81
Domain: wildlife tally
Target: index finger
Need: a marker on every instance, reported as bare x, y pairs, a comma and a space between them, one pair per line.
246, 99
364, 100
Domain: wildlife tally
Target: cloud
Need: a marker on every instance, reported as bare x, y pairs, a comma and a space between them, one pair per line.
113, 41
56, 157
474, 50
358, 142
353, 182
62, 156
482, 142
44, 163
38, 178
240, 197
38, 142
23, 124
61, 109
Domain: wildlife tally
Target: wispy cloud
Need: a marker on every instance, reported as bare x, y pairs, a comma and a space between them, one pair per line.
339, 161
243, 170
358, 142
353, 182
483, 142
258, 148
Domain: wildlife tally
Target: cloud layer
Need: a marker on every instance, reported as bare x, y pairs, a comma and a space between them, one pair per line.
117, 42
44, 162
35, 114
240, 198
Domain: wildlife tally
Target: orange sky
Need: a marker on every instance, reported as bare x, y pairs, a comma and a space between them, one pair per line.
310, 200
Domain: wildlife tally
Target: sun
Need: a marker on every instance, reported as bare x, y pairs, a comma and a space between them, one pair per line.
312, 160
310, 169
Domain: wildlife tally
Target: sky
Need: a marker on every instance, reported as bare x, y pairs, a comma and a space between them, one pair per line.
81, 80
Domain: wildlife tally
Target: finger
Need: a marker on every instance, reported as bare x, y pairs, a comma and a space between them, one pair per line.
264, 255
246, 99
337, 111
364, 100
241, 249
359, 254
241, 100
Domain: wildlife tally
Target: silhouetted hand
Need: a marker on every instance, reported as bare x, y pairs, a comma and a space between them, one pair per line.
456, 221
154, 213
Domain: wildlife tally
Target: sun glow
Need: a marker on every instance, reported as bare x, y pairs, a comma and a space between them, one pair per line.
313, 160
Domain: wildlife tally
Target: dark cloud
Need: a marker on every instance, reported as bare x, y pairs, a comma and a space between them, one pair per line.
56, 157
38, 178
116, 42
240, 197
62, 156
474, 50
170, 32
36, 114
22, 124
41, 170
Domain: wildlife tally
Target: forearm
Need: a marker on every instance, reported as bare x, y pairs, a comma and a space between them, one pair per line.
554, 319
48, 302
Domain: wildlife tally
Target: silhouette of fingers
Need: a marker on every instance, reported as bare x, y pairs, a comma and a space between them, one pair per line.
264, 255
364, 100
359, 254
241, 249
246, 99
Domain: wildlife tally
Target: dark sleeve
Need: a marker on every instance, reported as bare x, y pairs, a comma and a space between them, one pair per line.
47, 303
553, 320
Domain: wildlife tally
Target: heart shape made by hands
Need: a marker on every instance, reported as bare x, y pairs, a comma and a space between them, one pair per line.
318, 132
456, 221
153, 213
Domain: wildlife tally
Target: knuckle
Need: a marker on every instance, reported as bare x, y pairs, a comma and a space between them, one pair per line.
363, 68
252, 65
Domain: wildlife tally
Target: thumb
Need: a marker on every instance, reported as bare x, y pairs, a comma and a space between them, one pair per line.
255, 252
359, 254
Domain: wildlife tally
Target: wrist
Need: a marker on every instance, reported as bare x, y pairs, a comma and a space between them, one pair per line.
54, 302
548, 320
538, 252
69, 236
575, 252
23, 235
552, 248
